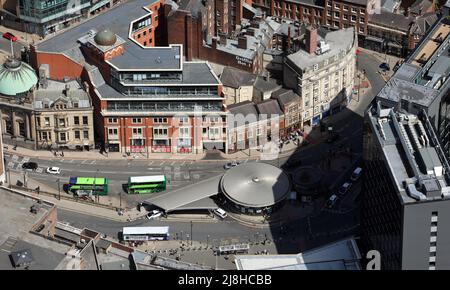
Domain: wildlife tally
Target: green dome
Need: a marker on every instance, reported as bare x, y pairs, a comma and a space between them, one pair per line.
16, 77
105, 38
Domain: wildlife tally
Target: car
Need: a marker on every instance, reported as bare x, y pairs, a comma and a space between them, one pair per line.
333, 138
154, 214
9, 36
30, 165
53, 170
385, 66
356, 174
220, 213
344, 188
332, 201
231, 165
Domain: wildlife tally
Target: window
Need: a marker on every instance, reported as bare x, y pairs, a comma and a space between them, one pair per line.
160, 131
75, 105
337, 14
112, 131
47, 121
362, 11
184, 119
62, 137
137, 131
137, 120
77, 135
337, 6
85, 120
345, 17
38, 121
145, 43
184, 132
86, 134
362, 20
160, 120
76, 120
353, 10
316, 67
345, 7
62, 122
112, 120
353, 18
204, 131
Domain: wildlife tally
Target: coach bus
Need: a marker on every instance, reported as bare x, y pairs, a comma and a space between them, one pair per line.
146, 184
87, 186
139, 234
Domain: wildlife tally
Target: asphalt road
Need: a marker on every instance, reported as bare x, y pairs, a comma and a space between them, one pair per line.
5, 46
182, 173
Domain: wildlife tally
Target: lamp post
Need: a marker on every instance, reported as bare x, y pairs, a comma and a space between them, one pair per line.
191, 232
59, 190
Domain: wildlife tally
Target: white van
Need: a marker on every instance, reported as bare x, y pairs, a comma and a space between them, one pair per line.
356, 174
220, 212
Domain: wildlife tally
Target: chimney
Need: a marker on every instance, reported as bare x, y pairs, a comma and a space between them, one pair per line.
311, 39
223, 39
66, 90
242, 42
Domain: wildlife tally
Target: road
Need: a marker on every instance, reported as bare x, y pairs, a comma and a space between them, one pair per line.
182, 173
5, 46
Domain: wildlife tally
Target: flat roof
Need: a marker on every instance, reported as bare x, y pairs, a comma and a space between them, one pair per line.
255, 185
118, 20
152, 178
413, 159
145, 230
187, 197
339, 255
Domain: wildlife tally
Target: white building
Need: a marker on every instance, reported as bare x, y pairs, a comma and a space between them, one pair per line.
322, 73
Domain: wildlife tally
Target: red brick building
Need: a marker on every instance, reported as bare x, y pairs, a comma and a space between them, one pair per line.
147, 99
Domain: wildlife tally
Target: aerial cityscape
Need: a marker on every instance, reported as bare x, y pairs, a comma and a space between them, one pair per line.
225, 135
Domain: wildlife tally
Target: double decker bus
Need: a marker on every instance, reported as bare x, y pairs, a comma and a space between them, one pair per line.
146, 184
88, 186
139, 234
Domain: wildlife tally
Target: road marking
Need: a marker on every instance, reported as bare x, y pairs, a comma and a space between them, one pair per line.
92, 162
192, 162
171, 164
151, 162
184, 162
25, 159
19, 166
11, 164
15, 157
246, 160
162, 163
84, 161
39, 170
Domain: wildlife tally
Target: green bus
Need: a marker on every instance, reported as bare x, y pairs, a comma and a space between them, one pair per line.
146, 184
83, 186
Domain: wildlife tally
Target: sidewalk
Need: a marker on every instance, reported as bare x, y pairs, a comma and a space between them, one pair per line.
72, 205
22, 37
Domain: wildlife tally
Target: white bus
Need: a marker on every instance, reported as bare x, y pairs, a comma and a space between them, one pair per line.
134, 234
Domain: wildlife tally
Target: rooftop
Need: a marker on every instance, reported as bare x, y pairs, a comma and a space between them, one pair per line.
70, 92
391, 20
235, 78
255, 185
339, 255
411, 151
118, 21
339, 41
421, 79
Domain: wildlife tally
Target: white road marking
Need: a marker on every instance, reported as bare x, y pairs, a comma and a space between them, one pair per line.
162, 163
25, 159
39, 170
11, 164
92, 162
184, 162
171, 164
84, 161
151, 162
15, 157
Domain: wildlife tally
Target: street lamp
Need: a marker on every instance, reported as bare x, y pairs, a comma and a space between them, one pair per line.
191, 232
59, 190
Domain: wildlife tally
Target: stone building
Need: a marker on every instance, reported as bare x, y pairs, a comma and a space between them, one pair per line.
17, 82
64, 116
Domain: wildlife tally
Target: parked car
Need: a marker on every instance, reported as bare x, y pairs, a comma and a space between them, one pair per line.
356, 174
385, 66
154, 214
9, 36
332, 201
231, 165
220, 213
30, 165
333, 138
53, 170
344, 188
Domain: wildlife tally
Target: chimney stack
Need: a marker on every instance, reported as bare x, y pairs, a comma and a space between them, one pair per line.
242, 42
311, 39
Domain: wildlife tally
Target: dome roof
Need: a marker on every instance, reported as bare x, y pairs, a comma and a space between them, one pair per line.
16, 77
105, 38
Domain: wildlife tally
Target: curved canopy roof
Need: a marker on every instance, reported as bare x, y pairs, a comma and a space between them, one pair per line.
16, 77
255, 185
